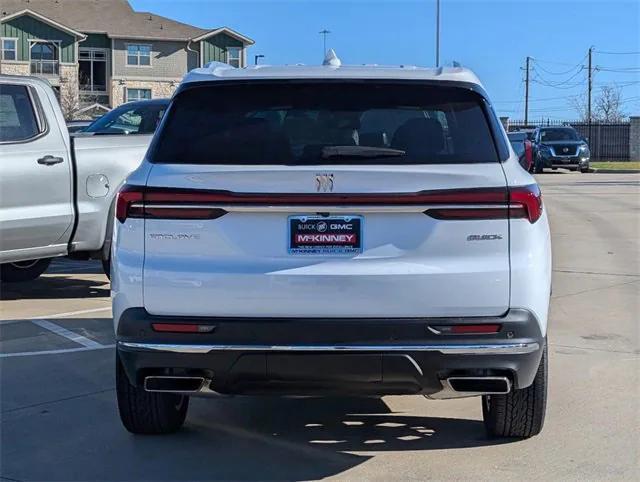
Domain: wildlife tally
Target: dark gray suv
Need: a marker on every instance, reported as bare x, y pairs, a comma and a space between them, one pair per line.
560, 147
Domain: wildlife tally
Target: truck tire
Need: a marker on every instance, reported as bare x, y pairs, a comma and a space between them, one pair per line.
519, 413
143, 412
23, 270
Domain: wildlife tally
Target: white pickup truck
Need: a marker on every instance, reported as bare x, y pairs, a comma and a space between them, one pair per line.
56, 192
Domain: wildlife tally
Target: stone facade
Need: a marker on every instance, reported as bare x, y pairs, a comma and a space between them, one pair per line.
634, 138
14, 68
160, 89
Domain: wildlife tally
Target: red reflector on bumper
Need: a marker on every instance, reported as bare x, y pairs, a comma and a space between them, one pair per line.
466, 329
182, 328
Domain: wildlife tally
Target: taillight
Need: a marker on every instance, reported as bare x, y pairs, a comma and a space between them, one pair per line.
520, 202
126, 200
141, 202
449, 204
528, 153
525, 202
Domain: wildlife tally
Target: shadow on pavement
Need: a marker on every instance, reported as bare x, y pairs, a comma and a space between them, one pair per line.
238, 438
55, 287
77, 269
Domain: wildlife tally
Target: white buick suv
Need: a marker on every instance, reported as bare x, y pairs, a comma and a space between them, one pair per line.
331, 230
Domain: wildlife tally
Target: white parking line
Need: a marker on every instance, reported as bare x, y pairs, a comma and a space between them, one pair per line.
56, 352
69, 335
72, 313
56, 315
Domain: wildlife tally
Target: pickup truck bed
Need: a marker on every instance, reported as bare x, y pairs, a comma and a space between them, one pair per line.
56, 192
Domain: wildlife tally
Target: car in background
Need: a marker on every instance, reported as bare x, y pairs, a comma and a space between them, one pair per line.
78, 126
523, 147
141, 117
556, 147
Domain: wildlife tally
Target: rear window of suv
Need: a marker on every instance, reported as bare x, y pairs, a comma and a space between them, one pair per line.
298, 123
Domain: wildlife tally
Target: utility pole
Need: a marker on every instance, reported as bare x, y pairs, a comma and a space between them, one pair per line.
526, 94
324, 34
589, 94
437, 33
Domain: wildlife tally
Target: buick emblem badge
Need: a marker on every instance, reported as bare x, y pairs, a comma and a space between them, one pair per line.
324, 182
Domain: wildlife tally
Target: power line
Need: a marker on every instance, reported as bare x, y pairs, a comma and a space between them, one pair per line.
560, 73
553, 83
618, 69
560, 86
616, 53
530, 100
558, 63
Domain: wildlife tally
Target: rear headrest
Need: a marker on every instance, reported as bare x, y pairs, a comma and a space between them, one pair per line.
419, 136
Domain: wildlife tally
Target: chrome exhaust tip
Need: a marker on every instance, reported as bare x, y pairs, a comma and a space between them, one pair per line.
174, 384
461, 387
479, 385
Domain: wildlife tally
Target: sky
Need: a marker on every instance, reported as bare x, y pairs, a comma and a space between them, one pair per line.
492, 37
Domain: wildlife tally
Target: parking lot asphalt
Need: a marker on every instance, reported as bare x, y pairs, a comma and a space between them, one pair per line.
60, 422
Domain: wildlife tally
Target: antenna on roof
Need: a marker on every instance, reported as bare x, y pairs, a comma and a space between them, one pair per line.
331, 59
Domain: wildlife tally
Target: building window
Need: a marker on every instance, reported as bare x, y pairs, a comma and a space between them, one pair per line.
138, 94
234, 56
9, 49
92, 69
44, 58
139, 54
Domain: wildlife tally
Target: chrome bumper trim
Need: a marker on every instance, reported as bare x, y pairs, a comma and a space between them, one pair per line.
476, 349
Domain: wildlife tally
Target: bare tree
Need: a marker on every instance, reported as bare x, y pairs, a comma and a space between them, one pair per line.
608, 106
73, 107
69, 102
579, 104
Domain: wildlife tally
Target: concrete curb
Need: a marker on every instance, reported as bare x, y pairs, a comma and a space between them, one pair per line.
614, 171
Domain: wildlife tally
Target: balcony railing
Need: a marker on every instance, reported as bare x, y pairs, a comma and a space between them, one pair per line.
45, 67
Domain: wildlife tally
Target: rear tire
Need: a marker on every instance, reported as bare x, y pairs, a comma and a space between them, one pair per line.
143, 412
519, 413
537, 166
106, 267
23, 270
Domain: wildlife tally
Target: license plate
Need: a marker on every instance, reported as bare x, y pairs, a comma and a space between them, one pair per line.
325, 235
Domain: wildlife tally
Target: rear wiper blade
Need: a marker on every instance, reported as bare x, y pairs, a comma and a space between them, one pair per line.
333, 152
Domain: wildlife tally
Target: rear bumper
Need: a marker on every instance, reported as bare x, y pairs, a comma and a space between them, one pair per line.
320, 356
